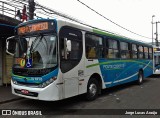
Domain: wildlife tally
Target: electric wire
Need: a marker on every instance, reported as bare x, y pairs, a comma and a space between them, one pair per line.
50, 12
111, 20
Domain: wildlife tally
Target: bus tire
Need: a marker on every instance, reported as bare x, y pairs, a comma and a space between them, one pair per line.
92, 89
140, 77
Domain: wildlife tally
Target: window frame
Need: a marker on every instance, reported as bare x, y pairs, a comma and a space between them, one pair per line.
126, 51
146, 52
150, 53
140, 52
107, 48
134, 51
97, 47
65, 32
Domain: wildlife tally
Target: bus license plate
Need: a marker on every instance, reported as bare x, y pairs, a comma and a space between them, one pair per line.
24, 91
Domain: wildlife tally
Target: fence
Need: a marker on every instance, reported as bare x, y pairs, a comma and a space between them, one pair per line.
9, 9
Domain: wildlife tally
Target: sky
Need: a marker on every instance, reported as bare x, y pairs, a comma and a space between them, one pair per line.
134, 15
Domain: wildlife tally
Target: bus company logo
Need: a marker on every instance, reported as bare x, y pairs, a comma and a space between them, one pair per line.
6, 112
21, 112
114, 67
22, 62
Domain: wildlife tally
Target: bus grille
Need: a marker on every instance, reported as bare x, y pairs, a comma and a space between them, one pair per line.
34, 85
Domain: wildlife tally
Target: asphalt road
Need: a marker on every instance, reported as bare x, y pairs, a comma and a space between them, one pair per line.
124, 97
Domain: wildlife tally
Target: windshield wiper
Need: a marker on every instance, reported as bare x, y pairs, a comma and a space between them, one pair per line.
34, 42
22, 43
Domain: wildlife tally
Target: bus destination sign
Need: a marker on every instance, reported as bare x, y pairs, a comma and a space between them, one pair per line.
33, 28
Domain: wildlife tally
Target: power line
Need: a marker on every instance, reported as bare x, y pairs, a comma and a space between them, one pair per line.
51, 12
111, 20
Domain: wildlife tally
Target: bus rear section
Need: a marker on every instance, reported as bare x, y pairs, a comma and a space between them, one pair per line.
120, 60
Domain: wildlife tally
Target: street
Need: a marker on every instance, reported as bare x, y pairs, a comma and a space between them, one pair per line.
128, 96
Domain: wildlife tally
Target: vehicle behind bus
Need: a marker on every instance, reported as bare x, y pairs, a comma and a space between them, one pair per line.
156, 60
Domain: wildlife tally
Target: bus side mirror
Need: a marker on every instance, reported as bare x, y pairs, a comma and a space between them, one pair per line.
68, 45
10, 45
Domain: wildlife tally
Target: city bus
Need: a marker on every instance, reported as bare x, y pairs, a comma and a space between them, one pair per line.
56, 59
156, 59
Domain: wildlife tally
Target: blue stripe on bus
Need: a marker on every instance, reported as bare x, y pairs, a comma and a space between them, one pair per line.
116, 72
37, 80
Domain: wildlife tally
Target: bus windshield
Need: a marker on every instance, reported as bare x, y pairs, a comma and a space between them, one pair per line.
36, 52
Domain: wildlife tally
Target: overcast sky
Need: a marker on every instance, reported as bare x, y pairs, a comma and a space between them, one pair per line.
135, 15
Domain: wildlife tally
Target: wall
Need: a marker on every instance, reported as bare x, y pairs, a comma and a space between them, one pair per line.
1, 65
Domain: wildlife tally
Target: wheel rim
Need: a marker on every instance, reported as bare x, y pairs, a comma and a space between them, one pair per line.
92, 89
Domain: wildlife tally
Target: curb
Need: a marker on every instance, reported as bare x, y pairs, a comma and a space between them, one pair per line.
11, 100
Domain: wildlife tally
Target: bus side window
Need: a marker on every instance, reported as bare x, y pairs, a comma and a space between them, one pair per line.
134, 51
75, 50
62, 48
69, 59
113, 51
125, 52
146, 52
94, 46
91, 52
140, 52
150, 53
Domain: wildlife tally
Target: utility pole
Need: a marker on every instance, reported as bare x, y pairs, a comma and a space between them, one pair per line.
152, 27
156, 33
157, 44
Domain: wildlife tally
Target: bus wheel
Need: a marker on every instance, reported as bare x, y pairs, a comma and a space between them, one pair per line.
140, 78
92, 89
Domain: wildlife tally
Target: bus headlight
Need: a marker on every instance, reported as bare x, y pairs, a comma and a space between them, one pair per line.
46, 83
14, 81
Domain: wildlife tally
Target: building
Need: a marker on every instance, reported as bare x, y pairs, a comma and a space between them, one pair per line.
7, 25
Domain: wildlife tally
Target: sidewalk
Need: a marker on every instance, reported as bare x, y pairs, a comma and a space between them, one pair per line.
6, 94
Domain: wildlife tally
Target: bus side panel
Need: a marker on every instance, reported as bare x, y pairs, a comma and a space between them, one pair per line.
117, 72
148, 70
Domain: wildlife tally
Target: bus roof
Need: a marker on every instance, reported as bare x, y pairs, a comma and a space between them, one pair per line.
86, 27
119, 37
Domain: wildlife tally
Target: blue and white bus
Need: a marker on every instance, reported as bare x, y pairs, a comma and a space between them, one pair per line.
57, 59
156, 59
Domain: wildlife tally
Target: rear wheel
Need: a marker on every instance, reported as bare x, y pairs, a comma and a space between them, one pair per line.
92, 89
140, 78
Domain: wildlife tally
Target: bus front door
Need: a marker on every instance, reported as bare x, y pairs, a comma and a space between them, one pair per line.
71, 59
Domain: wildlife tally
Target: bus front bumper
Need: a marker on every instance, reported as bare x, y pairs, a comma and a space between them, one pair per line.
49, 93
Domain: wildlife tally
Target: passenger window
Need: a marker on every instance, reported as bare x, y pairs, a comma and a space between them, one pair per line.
140, 53
125, 53
94, 46
113, 51
150, 53
146, 52
134, 51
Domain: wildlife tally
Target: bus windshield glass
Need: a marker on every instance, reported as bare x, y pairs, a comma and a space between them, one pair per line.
37, 52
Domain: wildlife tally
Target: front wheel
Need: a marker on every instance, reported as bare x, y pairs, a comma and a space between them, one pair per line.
140, 77
92, 89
